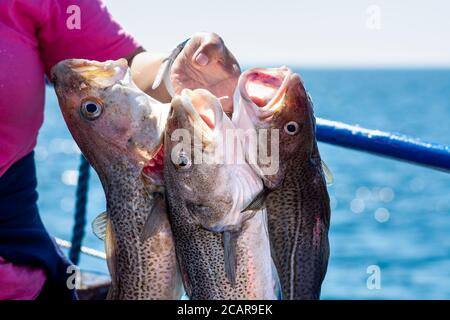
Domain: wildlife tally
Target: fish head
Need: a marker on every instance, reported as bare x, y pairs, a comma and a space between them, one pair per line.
274, 101
112, 121
202, 166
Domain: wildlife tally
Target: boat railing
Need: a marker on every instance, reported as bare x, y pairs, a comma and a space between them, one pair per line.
393, 145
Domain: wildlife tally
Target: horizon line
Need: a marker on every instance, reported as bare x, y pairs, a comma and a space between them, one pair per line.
383, 66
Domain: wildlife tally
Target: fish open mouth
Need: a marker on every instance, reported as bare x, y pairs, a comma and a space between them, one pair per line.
265, 89
203, 108
90, 72
154, 168
262, 87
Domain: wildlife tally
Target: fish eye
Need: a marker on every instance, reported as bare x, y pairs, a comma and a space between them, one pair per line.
91, 110
183, 161
291, 128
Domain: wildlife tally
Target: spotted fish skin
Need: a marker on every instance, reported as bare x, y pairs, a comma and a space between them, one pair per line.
201, 257
298, 203
119, 130
299, 220
206, 200
143, 269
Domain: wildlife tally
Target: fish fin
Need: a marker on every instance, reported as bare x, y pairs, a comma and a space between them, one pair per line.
111, 260
168, 82
276, 282
180, 291
184, 275
155, 218
258, 202
99, 225
275, 276
110, 295
163, 69
327, 173
229, 245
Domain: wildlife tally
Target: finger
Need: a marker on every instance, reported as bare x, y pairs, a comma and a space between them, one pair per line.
211, 49
202, 59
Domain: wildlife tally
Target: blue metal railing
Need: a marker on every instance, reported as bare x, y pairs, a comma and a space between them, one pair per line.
396, 146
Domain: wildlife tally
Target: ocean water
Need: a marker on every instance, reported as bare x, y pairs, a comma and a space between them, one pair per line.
390, 225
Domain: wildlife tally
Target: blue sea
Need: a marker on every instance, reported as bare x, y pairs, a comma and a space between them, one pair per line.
390, 226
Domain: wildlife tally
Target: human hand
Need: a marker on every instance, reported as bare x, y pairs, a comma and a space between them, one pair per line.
205, 62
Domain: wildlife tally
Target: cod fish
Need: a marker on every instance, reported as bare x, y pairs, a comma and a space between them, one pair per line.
119, 129
296, 197
223, 252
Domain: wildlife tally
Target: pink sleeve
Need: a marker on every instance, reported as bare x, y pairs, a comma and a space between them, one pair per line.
99, 36
20, 282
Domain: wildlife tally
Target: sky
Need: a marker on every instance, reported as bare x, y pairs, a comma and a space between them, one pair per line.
317, 33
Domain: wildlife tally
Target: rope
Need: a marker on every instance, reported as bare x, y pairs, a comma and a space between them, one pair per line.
86, 250
80, 211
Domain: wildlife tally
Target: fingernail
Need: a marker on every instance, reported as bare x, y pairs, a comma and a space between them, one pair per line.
202, 59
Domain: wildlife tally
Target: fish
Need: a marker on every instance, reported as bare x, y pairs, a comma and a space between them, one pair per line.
223, 252
274, 101
163, 75
119, 130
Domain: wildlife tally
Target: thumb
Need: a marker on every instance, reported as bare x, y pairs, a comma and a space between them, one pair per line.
212, 50
201, 59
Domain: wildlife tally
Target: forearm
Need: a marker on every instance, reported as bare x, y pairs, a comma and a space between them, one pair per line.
144, 67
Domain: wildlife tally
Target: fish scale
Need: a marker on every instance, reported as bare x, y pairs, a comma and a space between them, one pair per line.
120, 134
205, 203
201, 257
138, 274
302, 205
296, 197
